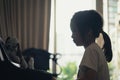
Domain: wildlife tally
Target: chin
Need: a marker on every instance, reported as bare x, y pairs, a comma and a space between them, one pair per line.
78, 44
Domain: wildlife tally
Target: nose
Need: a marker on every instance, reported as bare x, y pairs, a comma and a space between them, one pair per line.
72, 36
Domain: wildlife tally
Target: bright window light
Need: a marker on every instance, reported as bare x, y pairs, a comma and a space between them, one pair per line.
60, 26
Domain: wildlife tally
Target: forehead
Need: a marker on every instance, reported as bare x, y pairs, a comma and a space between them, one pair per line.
73, 27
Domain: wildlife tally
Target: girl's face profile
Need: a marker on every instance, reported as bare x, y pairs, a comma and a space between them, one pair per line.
77, 39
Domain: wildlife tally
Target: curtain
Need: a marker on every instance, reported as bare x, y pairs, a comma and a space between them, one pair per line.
99, 6
27, 20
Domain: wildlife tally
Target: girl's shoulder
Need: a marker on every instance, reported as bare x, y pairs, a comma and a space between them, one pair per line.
93, 46
93, 49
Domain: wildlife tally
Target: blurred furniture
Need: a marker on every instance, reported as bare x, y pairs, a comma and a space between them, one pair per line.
41, 58
9, 71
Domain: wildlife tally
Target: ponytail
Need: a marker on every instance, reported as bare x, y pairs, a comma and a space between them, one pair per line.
107, 47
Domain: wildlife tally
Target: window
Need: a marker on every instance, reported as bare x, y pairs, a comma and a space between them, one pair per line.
113, 32
60, 33
60, 28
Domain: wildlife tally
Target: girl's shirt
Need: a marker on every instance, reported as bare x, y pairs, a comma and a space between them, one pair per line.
94, 59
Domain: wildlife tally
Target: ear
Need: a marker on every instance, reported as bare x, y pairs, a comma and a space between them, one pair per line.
90, 33
88, 36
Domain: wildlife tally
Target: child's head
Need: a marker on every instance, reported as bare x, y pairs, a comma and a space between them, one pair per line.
86, 27
87, 24
87, 21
